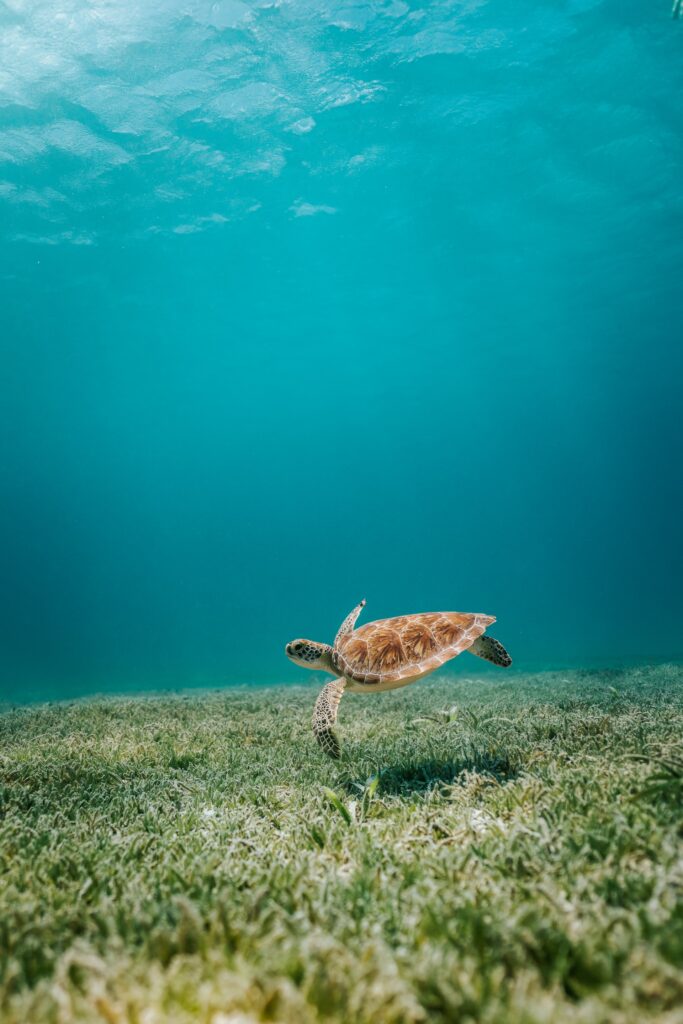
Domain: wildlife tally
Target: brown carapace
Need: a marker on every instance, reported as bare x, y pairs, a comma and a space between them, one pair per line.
389, 653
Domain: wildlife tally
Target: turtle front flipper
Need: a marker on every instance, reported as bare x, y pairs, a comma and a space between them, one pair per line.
325, 716
349, 622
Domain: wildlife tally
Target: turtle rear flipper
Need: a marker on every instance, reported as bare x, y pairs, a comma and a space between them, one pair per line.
491, 650
325, 716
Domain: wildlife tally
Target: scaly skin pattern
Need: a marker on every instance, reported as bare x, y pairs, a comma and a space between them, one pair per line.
491, 650
349, 622
325, 716
389, 653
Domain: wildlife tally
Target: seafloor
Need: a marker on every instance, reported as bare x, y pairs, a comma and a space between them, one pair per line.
498, 849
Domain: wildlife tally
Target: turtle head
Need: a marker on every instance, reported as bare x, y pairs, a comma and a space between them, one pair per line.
310, 654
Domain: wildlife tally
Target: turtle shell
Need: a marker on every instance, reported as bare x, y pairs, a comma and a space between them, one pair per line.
407, 647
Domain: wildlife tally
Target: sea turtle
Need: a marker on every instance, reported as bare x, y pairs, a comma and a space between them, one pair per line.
386, 654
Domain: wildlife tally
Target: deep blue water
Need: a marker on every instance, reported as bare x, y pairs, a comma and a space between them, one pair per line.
303, 302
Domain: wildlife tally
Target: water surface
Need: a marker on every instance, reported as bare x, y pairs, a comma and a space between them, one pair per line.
308, 302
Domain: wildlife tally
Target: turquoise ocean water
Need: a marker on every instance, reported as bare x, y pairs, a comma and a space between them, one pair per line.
303, 302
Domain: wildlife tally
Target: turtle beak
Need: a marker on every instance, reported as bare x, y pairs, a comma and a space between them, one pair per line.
288, 650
